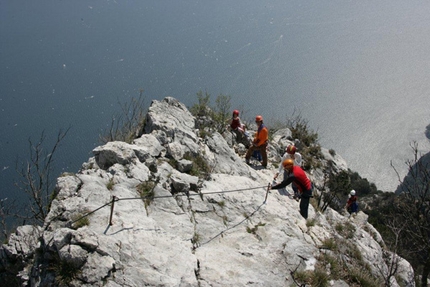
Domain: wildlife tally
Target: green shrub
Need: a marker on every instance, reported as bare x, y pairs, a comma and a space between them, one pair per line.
319, 278
224, 220
302, 277
346, 229
351, 250
65, 272
362, 277
146, 192
211, 118
110, 184
221, 203
80, 219
173, 162
339, 227
335, 265
311, 222
200, 165
329, 243
253, 230
222, 111
309, 147
349, 230
201, 108
83, 221
196, 240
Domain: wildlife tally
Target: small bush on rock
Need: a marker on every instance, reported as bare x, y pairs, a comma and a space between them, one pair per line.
146, 192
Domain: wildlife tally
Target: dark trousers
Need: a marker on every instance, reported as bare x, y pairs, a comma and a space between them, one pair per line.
304, 203
262, 149
295, 189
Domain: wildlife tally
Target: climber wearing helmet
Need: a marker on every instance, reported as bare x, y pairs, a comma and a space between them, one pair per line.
235, 122
351, 204
238, 129
290, 152
297, 176
260, 141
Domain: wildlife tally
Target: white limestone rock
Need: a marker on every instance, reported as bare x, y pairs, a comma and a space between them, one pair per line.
208, 230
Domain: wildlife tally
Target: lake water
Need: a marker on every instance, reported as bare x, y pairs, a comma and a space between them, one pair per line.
357, 70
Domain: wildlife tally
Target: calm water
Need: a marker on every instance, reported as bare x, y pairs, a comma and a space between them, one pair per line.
358, 70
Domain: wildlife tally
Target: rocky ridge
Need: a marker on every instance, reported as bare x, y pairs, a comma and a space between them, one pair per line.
195, 226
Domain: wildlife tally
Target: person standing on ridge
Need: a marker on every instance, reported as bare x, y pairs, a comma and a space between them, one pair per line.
260, 141
297, 175
290, 152
351, 204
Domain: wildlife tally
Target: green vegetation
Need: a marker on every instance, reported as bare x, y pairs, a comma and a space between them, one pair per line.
200, 167
221, 203
110, 184
308, 145
81, 222
329, 243
310, 148
253, 230
339, 259
317, 277
202, 107
346, 229
338, 184
400, 219
311, 222
146, 192
335, 266
65, 272
210, 119
196, 240
80, 219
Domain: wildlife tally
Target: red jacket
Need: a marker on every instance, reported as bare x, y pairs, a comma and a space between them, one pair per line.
299, 177
235, 123
351, 199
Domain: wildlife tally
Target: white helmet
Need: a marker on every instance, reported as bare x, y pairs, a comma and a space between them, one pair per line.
352, 192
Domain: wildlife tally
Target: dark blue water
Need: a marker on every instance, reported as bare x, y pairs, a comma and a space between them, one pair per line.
358, 70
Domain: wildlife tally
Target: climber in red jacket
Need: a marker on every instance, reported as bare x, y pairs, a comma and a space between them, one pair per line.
297, 175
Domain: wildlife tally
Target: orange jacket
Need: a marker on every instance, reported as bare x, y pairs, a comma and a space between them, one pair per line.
261, 136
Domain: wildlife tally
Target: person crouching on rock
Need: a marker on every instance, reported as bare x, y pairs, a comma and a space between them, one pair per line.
298, 176
238, 128
290, 152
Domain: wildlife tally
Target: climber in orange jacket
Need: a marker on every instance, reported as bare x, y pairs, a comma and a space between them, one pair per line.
260, 141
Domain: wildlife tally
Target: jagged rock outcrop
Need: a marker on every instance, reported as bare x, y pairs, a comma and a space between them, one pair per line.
196, 221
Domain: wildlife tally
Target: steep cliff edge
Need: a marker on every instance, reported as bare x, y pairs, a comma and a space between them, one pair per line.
175, 209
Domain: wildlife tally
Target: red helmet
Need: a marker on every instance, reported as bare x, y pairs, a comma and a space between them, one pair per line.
235, 112
258, 118
291, 149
